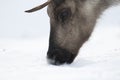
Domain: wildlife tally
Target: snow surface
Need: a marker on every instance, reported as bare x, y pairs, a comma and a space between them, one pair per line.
24, 43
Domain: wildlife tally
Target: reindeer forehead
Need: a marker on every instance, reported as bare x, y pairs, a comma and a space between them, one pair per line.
58, 5
66, 3
58, 2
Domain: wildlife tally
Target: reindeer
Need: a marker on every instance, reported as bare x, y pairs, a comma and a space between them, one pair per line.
72, 22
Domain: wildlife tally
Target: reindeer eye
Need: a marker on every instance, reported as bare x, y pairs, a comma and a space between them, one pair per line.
64, 15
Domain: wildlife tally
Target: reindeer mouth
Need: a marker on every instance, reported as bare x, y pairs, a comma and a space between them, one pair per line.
59, 56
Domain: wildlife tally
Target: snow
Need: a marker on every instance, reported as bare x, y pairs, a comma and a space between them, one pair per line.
24, 43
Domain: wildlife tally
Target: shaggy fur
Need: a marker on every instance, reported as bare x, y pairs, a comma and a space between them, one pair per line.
72, 22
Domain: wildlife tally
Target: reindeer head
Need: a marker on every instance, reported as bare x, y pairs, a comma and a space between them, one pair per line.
72, 22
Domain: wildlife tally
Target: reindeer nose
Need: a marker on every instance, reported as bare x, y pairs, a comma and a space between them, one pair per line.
59, 56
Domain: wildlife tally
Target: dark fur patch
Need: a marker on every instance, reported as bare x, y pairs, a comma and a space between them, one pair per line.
58, 2
58, 55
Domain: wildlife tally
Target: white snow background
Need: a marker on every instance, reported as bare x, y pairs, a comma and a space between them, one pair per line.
24, 43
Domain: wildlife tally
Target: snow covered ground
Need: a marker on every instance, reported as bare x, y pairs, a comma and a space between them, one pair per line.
24, 43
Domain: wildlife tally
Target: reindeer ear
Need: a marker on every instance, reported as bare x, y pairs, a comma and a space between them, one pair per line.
58, 2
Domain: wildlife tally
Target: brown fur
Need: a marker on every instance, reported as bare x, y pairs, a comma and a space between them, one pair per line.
72, 22
71, 34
